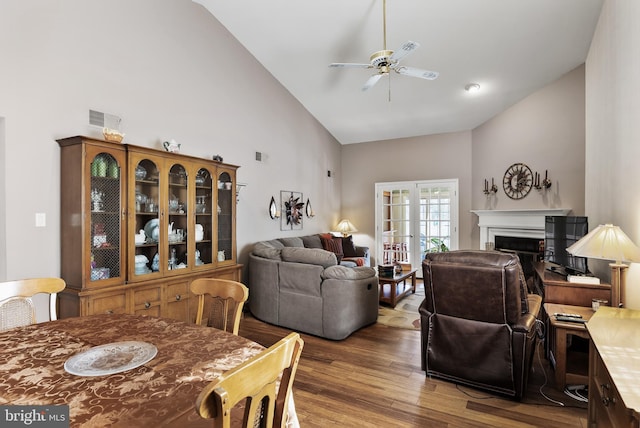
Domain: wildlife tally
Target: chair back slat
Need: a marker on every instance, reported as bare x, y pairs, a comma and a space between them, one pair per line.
256, 381
225, 298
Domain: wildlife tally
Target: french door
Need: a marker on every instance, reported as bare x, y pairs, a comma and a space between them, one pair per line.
413, 217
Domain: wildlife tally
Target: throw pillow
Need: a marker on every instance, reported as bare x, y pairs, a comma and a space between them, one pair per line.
334, 245
349, 247
262, 249
312, 241
292, 242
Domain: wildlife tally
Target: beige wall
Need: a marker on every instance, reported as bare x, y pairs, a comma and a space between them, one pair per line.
170, 70
613, 130
544, 130
410, 159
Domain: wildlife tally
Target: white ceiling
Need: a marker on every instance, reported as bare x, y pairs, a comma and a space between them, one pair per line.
510, 47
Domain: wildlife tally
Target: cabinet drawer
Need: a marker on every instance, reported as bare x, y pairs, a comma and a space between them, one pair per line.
177, 301
147, 301
609, 401
177, 291
149, 295
112, 303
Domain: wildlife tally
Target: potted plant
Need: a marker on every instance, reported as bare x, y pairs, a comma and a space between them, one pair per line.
436, 245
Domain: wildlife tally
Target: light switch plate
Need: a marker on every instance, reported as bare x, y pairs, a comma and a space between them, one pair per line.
41, 220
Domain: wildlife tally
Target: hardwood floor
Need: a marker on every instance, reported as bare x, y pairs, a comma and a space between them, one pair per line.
373, 379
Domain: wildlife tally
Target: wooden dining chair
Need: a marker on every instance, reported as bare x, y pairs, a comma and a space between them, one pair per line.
255, 381
16, 300
225, 301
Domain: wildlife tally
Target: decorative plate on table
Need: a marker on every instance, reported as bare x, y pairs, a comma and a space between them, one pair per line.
110, 358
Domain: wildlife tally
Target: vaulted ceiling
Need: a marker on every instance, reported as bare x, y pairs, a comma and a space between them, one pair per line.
511, 48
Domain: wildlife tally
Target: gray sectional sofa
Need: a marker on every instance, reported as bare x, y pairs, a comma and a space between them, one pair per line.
295, 283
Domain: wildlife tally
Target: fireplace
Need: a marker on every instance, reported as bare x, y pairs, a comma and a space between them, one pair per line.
518, 231
529, 250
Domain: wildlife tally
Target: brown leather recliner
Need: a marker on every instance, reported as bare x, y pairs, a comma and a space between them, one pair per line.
478, 321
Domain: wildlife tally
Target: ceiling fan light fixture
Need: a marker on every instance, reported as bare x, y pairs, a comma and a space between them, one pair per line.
472, 87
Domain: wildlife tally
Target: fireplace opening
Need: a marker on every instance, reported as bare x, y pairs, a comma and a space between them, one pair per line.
529, 250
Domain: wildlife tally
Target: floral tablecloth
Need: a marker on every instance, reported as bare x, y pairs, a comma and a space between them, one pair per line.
162, 392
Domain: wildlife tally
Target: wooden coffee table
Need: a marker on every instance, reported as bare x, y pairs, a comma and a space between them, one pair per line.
392, 289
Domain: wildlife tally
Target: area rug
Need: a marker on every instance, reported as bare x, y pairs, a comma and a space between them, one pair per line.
405, 314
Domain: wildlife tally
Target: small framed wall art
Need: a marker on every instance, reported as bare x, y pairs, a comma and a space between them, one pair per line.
292, 210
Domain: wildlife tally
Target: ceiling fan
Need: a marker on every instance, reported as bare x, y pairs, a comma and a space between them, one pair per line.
385, 60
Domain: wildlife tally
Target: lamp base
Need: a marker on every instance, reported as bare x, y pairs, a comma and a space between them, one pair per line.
618, 282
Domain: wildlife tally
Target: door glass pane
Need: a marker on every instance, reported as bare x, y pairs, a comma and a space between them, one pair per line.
204, 216
396, 220
435, 218
225, 212
105, 217
177, 227
147, 257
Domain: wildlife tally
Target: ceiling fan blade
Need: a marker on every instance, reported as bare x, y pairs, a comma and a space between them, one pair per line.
404, 50
372, 81
417, 72
350, 65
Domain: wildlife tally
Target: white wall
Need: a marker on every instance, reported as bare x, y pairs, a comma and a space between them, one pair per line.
170, 70
545, 131
612, 172
432, 157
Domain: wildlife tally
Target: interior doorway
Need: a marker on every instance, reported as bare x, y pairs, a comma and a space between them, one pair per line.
413, 217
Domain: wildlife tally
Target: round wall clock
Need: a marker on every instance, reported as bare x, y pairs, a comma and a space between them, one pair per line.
517, 181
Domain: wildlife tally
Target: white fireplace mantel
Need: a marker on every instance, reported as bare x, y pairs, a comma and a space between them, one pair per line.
516, 223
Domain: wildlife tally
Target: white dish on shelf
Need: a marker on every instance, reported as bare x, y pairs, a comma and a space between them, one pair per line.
151, 229
111, 358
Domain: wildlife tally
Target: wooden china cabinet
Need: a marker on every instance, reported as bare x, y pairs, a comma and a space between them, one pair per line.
138, 225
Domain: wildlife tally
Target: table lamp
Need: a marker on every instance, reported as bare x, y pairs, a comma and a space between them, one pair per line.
345, 227
609, 242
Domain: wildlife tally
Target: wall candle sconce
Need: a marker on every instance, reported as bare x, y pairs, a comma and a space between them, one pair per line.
546, 183
309, 209
490, 190
273, 209
239, 187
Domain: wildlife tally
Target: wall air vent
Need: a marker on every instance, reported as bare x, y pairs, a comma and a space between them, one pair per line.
104, 120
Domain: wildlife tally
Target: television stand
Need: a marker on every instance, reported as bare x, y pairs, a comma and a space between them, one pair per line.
554, 288
558, 270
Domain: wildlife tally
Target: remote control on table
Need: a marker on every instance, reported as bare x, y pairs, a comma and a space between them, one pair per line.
570, 319
560, 314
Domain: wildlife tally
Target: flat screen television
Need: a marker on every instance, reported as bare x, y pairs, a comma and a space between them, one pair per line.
560, 232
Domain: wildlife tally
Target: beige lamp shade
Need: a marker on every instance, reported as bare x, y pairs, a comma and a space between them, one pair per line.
345, 227
606, 242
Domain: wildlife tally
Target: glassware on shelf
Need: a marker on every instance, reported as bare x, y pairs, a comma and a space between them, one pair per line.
141, 172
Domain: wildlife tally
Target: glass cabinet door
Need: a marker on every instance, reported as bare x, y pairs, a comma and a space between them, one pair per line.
145, 229
225, 250
177, 224
106, 237
204, 209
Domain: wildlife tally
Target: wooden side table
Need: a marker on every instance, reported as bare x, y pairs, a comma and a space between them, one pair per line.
557, 332
397, 286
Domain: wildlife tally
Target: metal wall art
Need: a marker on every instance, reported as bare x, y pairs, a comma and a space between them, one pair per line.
292, 210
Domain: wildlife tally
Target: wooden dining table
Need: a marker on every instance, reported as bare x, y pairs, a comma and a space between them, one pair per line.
160, 392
